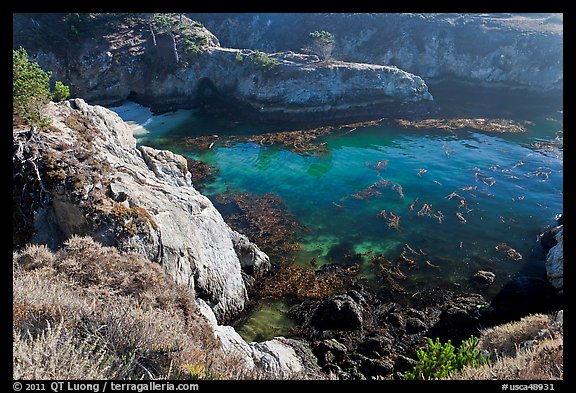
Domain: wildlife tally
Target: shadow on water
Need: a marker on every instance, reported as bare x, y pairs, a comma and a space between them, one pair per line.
456, 99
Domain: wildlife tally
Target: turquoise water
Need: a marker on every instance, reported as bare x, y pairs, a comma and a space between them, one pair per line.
507, 191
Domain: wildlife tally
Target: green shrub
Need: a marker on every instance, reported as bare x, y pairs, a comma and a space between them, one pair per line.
263, 60
164, 21
239, 57
191, 47
76, 24
61, 92
439, 361
321, 43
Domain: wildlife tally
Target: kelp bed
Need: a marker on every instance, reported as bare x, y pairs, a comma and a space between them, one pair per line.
201, 172
264, 219
291, 280
488, 125
303, 142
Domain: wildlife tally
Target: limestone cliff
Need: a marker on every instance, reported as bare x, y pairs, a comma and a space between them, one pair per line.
142, 201
513, 50
124, 59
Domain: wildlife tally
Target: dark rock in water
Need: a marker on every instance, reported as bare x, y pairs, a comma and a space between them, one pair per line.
483, 278
329, 351
548, 238
522, 296
555, 262
404, 363
338, 313
396, 319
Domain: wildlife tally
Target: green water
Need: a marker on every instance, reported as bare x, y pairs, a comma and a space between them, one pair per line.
512, 191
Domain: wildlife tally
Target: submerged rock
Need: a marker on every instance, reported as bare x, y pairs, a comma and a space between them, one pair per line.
483, 278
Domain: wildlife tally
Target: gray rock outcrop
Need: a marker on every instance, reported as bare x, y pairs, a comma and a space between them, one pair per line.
524, 50
109, 68
555, 262
144, 202
279, 358
181, 229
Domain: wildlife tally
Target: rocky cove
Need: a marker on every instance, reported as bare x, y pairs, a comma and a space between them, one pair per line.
96, 181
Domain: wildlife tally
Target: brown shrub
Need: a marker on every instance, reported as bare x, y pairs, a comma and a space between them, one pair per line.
543, 361
56, 354
90, 311
504, 340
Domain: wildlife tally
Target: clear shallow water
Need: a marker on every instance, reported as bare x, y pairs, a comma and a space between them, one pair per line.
512, 191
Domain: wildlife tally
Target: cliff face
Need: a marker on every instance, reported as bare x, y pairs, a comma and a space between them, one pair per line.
85, 176
111, 64
142, 201
490, 50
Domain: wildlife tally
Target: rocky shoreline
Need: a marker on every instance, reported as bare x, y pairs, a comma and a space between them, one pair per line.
142, 200
85, 176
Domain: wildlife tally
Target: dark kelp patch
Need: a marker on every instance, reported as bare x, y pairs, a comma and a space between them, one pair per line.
264, 219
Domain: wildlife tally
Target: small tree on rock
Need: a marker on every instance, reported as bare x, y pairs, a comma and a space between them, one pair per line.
61, 92
322, 44
30, 88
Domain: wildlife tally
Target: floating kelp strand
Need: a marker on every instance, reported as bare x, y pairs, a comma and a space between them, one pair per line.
453, 195
439, 216
392, 219
425, 210
519, 163
461, 217
411, 206
488, 125
374, 190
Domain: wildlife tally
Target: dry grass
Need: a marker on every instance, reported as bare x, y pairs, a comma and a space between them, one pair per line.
56, 354
529, 349
543, 361
91, 312
504, 340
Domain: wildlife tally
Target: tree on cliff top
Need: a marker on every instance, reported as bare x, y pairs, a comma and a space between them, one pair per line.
31, 89
321, 44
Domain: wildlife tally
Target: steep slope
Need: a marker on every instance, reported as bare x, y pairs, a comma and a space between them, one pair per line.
120, 57
491, 50
85, 176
